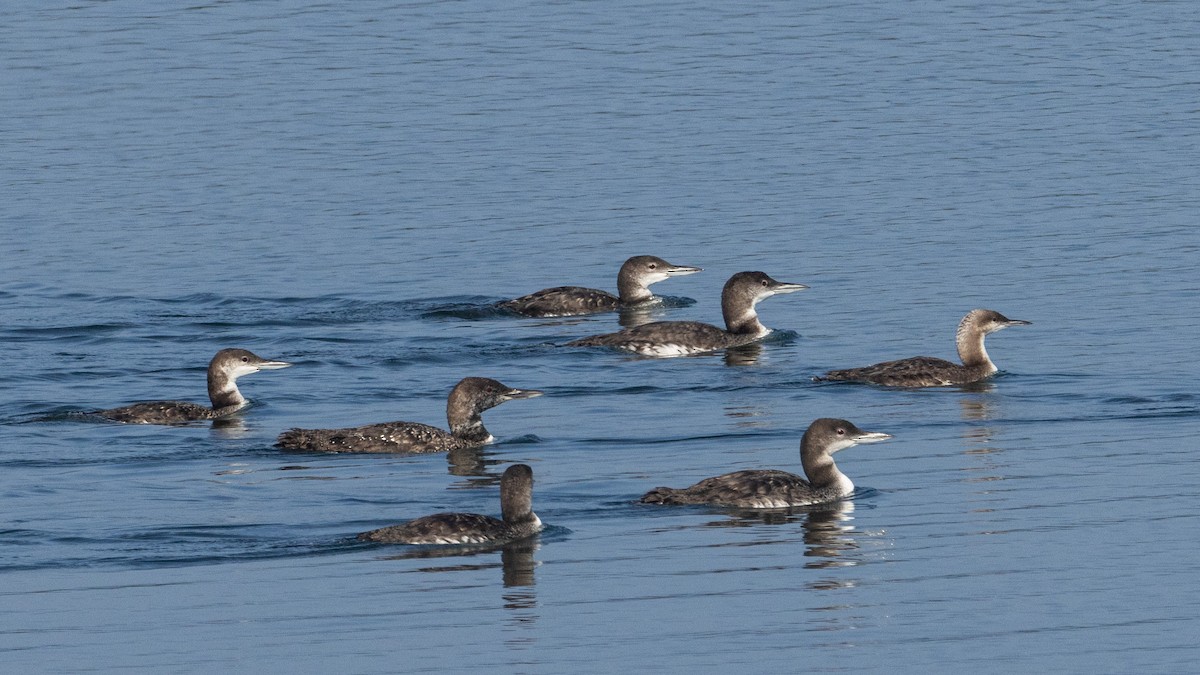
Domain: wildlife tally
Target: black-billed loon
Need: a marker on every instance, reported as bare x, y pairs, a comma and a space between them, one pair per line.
633, 284
771, 489
223, 371
469, 398
516, 507
927, 371
679, 338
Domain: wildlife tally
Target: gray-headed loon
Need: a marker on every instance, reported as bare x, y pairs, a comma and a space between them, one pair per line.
516, 508
467, 401
633, 284
771, 489
223, 371
927, 371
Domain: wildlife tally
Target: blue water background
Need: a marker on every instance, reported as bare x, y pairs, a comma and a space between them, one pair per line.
349, 185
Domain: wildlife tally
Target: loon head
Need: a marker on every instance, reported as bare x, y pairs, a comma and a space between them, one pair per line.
742, 292
224, 370
649, 269
230, 364
516, 493
476, 394
636, 275
985, 321
748, 288
826, 436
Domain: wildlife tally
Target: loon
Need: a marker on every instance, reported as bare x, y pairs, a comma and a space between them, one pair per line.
770, 489
633, 284
223, 371
680, 338
516, 507
469, 398
927, 371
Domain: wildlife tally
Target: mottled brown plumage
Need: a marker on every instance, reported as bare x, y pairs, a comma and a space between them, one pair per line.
464, 408
633, 284
770, 488
516, 505
223, 371
927, 371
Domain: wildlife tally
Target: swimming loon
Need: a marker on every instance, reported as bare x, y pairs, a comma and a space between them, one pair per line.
633, 282
223, 371
770, 489
469, 398
516, 507
679, 338
927, 371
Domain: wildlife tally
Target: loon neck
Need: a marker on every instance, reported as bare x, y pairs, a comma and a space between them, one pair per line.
467, 425
517, 509
742, 320
632, 290
970, 347
822, 471
223, 391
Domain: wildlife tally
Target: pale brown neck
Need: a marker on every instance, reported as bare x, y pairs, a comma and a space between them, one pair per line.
970, 347
223, 391
742, 319
631, 290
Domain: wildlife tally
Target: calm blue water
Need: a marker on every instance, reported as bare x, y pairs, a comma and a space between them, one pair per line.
349, 185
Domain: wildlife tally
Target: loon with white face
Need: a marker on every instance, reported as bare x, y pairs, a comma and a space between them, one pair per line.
633, 284
464, 408
927, 371
223, 371
741, 294
516, 508
772, 489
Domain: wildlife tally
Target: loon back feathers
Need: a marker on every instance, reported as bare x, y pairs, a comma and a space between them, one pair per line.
160, 412
563, 301
668, 338
766, 488
919, 371
398, 437
442, 528
633, 285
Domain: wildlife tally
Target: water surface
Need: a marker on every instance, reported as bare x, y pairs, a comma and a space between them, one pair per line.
350, 186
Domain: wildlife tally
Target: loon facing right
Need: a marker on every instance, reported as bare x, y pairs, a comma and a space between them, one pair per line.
223, 372
633, 283
464, 408
679, 338
771, 489
516, 508
927, 371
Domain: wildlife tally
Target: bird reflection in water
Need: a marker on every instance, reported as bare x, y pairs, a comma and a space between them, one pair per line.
829, 537
746, 355
230, 427
516, 561
517, 566
978, 437
469, 462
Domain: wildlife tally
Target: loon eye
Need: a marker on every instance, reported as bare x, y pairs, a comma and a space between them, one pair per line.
245, 359
841, 431
764, 283
653, 266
